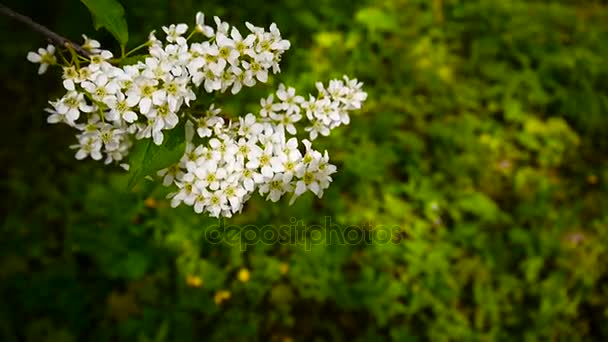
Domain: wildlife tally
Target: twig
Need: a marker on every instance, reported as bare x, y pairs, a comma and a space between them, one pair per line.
59, 40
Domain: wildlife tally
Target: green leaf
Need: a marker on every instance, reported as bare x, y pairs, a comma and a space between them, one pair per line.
377, 20
479, 204
132, 60
111, 15
146, 157
135, 265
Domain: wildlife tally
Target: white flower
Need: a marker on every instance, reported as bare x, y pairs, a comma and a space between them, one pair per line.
256, 69
230, 148
200, 201
71, 105
70, 77
155, 129
277, 42
290, 159
217, 203
232, 78
45, 57
173, 92
267, 106
354, 96
206, 155
88, 145
222, 27
254, 29
187, 191
317, 128
245, 149
100, 61
156, 67
201, 27
118, 154
153, 40
307, 181
276, 187
249, 127
163, 118
250, 178
287, 121
110, 136
175, 32
218, 146
125, 77
210, 121
264, 53
209, 175
290, 101
102, 89
311, 155
263, 161
325, 169
190, 156
234, 194
120, 109
141, 94
91, 127
91, 45
214, 62
241, 77
55, 116
243, 46
226, 50
212, 81
170, 174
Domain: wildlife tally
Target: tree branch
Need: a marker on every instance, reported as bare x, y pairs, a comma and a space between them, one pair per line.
52, 36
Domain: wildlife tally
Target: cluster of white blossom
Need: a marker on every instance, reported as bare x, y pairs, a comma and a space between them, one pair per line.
107, 103
220, 178
256, 153
111, 106
325, 112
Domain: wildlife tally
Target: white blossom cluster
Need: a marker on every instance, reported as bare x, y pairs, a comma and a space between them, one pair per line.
219, 177
257, 153
108, 104
325, 112
111, 105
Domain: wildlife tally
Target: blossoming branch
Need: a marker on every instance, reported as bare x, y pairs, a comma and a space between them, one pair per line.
224, 162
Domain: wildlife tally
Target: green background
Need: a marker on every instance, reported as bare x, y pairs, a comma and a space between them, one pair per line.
482, 139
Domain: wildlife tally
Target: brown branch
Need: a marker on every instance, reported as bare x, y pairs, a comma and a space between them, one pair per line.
52, 36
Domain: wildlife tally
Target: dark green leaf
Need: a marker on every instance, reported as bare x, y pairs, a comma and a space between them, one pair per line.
111, 15
132, 60
146, 157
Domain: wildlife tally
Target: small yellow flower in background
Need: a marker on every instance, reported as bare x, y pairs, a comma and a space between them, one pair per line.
424, 63
244, 275
445, 73
150, 202
592, 179
194, 281
283, 268
221, 296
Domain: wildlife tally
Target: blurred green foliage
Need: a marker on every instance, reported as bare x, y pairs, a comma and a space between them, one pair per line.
483, 140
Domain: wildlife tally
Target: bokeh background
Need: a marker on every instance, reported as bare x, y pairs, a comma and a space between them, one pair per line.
483, 139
